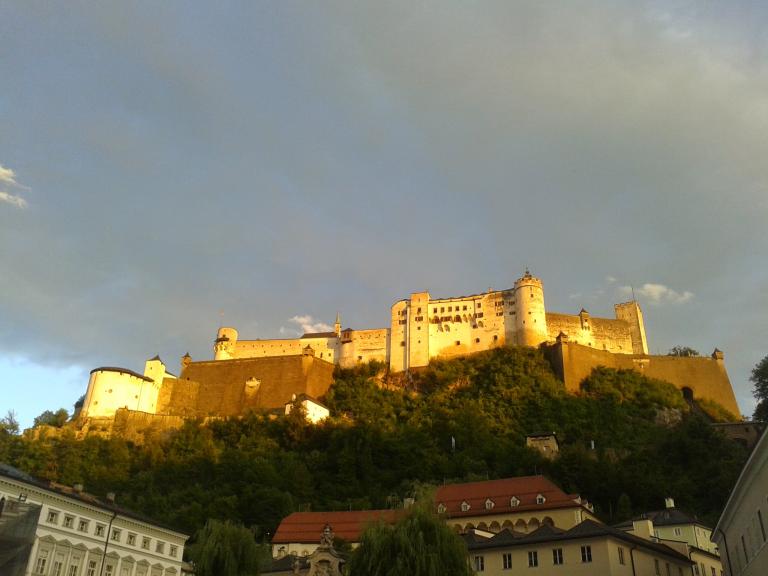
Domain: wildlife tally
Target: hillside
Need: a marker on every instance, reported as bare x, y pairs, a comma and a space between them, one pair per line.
455, 420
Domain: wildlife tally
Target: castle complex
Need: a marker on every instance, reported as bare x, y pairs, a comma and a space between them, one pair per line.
423, 328
270, 374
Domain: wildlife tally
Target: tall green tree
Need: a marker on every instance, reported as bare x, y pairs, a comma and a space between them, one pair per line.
225, 549
49, 418
420, 544
760, 379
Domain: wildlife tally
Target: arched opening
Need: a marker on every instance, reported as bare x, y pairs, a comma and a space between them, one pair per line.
457, 528
469, 526
494, 527
687, 394
533, 524
507, 525
547, 521
482, 526
521, 526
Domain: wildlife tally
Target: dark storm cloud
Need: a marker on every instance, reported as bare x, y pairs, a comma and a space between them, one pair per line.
284, 160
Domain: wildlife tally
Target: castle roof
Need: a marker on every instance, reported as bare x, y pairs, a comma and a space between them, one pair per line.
121, 371
348, 525
526, 489
319, 335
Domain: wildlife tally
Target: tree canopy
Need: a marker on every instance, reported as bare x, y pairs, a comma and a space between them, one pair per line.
49, 418
760, 391
383, 442
420, 544
225, 549
682, 351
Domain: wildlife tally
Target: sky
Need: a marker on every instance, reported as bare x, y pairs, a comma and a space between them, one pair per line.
168, 167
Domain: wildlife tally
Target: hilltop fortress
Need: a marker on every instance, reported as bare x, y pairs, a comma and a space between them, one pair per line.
423, 328
271, 374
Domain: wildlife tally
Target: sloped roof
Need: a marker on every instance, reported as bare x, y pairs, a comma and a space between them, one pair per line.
319, 335
524, 488
666, 517
348, 525
584, 530
10, 472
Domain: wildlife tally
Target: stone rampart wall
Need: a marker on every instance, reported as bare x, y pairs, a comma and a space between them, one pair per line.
704, 376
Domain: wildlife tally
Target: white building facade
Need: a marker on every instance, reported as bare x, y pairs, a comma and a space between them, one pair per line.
79, 535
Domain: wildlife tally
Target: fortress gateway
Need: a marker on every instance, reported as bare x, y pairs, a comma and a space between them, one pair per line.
268, 374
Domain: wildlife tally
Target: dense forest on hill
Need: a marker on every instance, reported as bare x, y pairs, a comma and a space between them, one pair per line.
457, 420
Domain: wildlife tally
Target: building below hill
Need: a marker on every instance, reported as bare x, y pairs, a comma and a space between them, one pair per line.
742, 530
522, 504
76, 534
588, 548
682, 531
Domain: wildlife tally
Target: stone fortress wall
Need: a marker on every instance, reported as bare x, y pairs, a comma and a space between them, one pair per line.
267, 374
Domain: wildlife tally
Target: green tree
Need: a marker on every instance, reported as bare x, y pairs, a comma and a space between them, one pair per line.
760, 379
420, 544
9, 424
225, 549
683, 351
49, 418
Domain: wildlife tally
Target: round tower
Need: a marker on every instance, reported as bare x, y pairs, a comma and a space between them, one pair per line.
224, 346
530, 314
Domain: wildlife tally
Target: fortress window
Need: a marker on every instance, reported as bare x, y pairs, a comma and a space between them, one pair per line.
464, 308
442, 309
402, 343
477, 340
458, 342
495, 336
418, 311
479, 305
450, 308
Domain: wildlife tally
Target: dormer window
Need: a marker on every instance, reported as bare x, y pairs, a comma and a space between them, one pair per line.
465, 506
514, 502
489, 504
540, 499
441, 508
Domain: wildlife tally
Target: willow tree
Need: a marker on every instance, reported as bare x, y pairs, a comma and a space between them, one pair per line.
420, 544
225, 549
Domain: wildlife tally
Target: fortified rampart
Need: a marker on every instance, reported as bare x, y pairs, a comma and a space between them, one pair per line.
234, 387
704, 377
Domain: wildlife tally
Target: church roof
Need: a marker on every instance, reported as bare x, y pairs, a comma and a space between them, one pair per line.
347, 525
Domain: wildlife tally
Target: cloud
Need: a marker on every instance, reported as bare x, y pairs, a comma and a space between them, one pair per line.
8, 176
659, 294
309, 326
13, 200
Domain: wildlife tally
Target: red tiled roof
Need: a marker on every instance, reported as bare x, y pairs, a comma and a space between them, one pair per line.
308, 526
500, 492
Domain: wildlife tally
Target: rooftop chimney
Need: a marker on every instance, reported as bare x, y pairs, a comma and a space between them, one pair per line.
669, 502
642, 528
78, 488
111, 497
